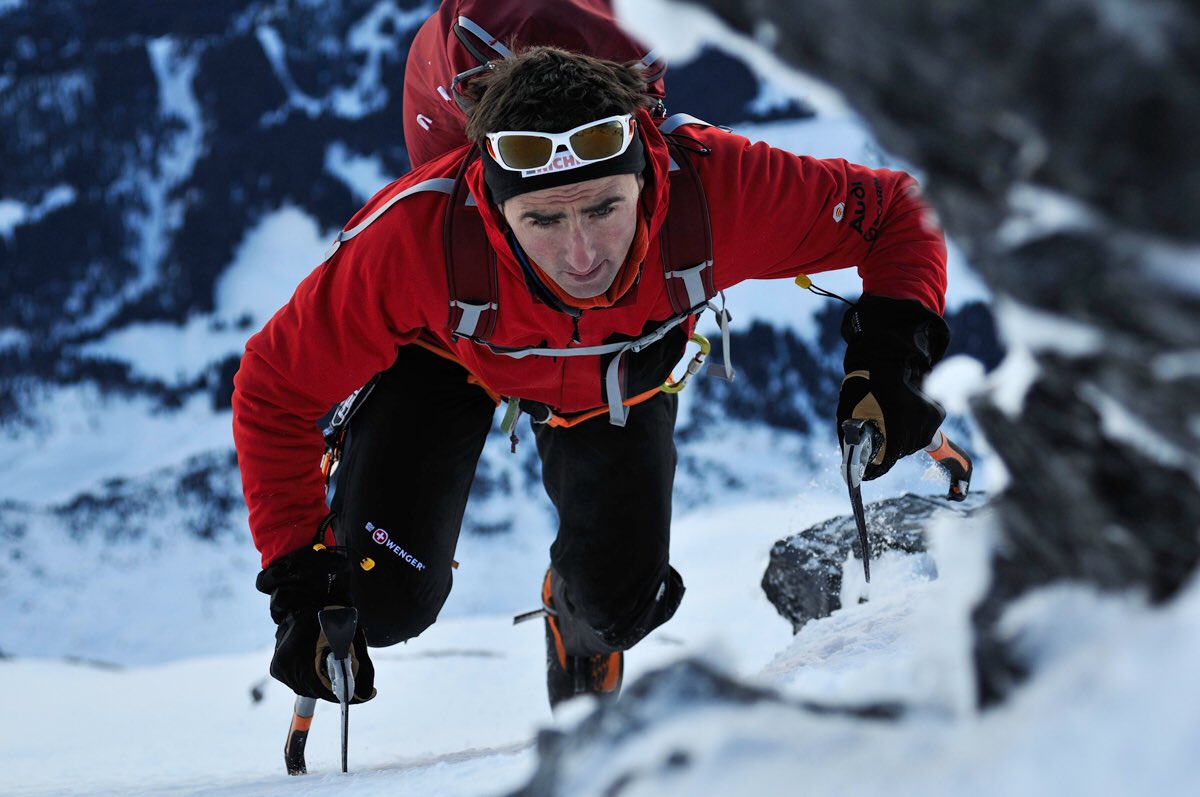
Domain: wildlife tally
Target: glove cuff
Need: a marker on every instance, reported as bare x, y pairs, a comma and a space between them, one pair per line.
309, 578
879, 330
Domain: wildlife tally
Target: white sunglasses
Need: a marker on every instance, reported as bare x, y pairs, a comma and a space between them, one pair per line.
531, 152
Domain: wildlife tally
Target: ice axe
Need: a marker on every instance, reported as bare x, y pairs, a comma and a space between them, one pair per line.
861, 440
338, 624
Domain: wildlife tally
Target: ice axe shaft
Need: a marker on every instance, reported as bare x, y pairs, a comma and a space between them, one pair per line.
339, 625
860, 440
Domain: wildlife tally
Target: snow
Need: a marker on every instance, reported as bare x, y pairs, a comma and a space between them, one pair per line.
14, 213
13, 338
679, 31
1036, 212
83, 438
1110, 711
362, 174
954, 382
174, 71
1121, 424
1011, 380
1168, 367
376, 38
165, 164
1026, 332
274, 257
275, 51
1147, 27
175, 354
469, 682
1175, 267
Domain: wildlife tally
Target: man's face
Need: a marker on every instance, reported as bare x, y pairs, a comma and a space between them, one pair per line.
580, 233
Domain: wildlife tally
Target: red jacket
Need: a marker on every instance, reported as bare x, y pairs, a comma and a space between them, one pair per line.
433, 122
774, 215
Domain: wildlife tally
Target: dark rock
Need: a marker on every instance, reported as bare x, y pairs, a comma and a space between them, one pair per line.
1058, 141
803, 579
658, 697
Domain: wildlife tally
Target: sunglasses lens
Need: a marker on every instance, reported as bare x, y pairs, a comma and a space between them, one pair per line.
525, 152
599, 141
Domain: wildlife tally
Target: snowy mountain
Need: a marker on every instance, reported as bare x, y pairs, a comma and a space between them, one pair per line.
171, 176
172, 171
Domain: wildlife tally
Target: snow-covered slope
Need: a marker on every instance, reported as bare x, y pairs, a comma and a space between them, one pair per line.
459, 708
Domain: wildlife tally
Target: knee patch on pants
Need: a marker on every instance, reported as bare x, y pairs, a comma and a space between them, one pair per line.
595, 624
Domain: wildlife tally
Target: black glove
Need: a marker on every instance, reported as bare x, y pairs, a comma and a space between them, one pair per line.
301, 584
891, 345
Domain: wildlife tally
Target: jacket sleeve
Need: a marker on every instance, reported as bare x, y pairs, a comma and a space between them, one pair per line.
776, 214
342, 326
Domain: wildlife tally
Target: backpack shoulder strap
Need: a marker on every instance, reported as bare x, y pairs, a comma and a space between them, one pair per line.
439, 184
686, 235
470, 264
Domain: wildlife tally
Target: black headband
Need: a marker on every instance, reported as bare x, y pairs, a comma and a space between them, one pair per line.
505, 184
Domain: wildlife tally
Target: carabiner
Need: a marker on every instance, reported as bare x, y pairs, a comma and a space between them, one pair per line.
671, 386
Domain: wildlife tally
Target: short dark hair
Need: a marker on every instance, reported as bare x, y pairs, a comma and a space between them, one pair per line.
550, 90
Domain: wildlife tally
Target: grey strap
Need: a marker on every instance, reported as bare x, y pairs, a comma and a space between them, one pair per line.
485, 37
443, 185
471, 313
604, 348
725, 369
618, 413
693, 281
678, 120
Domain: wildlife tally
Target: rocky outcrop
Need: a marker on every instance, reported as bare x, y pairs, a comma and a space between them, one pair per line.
1058, 144
609, 751
803, 579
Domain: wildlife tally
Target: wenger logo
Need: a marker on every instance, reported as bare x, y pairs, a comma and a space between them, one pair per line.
381, 537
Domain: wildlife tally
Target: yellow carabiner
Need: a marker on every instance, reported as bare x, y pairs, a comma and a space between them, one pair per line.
671, 386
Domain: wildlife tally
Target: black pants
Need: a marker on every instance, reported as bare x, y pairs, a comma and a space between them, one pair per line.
402, 486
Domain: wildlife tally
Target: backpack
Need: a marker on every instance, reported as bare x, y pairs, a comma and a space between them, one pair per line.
463, 34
